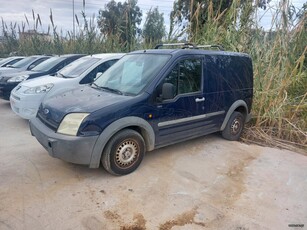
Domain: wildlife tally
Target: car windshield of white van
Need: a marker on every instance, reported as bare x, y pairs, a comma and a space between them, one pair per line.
76, 68
131, 74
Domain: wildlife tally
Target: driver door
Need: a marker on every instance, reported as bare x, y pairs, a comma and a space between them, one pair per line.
180, 115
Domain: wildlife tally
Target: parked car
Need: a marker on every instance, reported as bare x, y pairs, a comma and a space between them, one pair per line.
10, 61
27, 63
50, 66
147, 100
26, 97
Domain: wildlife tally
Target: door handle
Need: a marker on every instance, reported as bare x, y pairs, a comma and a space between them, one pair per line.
199, 99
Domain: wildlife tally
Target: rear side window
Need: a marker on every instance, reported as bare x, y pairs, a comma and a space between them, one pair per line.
186, 76
227, 73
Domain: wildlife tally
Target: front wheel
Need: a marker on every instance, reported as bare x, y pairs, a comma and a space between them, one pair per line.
234, 126
124, 152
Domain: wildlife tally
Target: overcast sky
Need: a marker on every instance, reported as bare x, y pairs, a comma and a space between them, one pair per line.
62, 10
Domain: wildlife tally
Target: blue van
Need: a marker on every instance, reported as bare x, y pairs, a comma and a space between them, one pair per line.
147, 100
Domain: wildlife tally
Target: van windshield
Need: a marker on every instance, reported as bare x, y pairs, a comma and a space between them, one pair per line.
131, 73
76, 68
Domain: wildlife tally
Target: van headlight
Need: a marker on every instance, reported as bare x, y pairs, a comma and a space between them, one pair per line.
39, 89
71, 123
18, 78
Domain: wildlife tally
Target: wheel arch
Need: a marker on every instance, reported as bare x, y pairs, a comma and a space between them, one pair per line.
239, 106
135, 123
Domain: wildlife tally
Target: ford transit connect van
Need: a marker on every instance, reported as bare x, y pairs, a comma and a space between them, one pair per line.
147, 100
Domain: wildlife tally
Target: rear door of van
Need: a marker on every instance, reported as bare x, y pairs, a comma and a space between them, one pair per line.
227, 79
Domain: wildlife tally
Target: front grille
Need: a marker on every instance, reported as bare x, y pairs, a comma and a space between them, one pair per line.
45, 118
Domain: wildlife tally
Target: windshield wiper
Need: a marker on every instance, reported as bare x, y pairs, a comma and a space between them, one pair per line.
111, 90
94, 84
107, 89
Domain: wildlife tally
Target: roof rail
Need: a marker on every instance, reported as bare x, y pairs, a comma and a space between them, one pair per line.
188, 45
220, 47
183, 44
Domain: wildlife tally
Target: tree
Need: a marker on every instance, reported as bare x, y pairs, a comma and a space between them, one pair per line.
132, 16
195, 13
154, 28
109, 19
118, 22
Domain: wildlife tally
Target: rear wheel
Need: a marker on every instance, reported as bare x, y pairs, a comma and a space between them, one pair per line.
124, 152
234, 126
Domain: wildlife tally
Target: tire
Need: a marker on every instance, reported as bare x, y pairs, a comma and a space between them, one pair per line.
234, 126
124, 152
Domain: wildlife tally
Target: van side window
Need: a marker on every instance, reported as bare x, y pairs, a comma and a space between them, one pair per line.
185, 76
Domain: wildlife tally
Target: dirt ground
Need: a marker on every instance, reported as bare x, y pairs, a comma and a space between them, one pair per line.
206, 183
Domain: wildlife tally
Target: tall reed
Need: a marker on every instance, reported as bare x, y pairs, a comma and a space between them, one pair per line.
280, 70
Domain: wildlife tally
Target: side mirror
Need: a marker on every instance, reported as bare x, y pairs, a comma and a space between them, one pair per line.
168, 91
97, 75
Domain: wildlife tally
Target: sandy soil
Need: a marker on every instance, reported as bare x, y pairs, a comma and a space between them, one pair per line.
206, 183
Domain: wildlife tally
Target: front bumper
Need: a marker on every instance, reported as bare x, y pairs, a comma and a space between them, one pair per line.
74, 149
25, 106
5, 89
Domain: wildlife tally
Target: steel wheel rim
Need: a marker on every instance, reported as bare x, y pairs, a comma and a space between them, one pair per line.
236, 126
126, 153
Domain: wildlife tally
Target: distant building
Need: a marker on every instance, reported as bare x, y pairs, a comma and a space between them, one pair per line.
31, 33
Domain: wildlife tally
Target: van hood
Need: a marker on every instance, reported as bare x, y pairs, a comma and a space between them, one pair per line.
81, 99
42, 81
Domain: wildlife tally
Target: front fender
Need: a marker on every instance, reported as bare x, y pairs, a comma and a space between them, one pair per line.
147, 133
